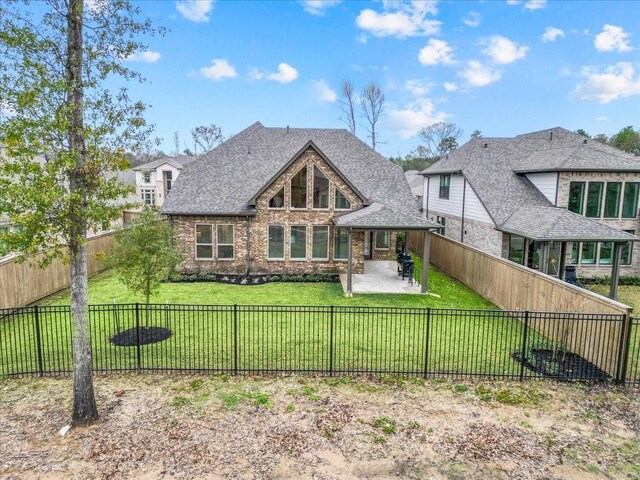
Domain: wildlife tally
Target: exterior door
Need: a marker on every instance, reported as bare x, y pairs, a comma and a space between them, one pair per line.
367, 245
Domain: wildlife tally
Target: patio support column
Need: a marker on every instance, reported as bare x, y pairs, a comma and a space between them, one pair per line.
563, 260
425, 262
615, 270
349, 265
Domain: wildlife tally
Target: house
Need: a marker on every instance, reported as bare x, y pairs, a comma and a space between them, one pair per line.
154, 179
416, 183
290, 200
543, 199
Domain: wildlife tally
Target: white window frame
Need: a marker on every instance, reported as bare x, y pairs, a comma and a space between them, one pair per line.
335, 241
212, 244
232, 245
313, 187
335, 196
306, 236
306, 207
144, 178
313, 229
284, 242
375, 241
284, 199
151, 192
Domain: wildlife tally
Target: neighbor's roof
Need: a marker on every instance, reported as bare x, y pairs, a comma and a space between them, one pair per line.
494, 168
379, 216
178, 162
416, 182
225, 180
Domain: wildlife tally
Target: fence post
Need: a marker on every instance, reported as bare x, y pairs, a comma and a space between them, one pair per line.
524, 344
426, 344
331, 341
625, 345
38, 340
235, 339
138, 352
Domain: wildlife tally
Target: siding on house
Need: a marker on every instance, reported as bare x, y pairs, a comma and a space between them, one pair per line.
546, 182
473, 208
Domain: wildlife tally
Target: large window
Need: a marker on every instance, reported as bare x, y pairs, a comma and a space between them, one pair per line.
627, 249
606, 253
148, 196
276, 242
612, 199
516, 249
341, 202
277, 201
168, 181
320, 249
382, 240
588, 253
225, 242
630, 200
445, 180
575, 249
320, 189
204, 242
146, 177
576, 197
299, 189
298, 242
341, 244
594, 199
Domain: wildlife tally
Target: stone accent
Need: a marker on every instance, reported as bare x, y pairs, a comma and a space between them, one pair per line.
477, 234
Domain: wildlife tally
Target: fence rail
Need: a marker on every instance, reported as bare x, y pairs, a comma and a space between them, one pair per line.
324, 340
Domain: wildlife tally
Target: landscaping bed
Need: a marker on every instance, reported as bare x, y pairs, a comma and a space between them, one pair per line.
563, 366
257, 279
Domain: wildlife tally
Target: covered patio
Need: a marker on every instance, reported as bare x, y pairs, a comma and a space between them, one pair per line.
380, 276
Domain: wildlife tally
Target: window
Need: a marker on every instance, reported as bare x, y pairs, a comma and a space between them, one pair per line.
148, 196
612, 199
146, 177
575, 249
276, 242
341, 202
442, 221
594, 199
382, 240
204, 242
576, 197
606, 253
588, 253
630, 200
225, 242
277, 201
341, 244
445, 180
168, 181
298, 242
516, 249
299, 189
320, 248
320, 189
627, 250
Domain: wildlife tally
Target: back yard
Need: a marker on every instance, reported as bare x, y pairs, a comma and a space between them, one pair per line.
305, 428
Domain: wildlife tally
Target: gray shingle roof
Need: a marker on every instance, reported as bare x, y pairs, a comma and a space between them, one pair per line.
493, 168
223, 181
178, 161
378, 215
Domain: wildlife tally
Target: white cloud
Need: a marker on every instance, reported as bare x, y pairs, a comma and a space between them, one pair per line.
551, 34
325, 92
362, 38
318, 7
255, 74
219, 70
436, 51
472, 19
405, 122
400, 19
144, 57
450, 86
602, 118
417, 88
535, 4
612, 38
616, 81
513, 2
478, 75
195, 10
97, 6
286, 73
502, 50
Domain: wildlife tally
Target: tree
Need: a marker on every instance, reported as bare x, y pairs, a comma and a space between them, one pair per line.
372, 107
207, 137
414, 160
580, 131
176, 143
440, 138
145, 253
601, 137
476, 134
66, 134
347, 102
627, 140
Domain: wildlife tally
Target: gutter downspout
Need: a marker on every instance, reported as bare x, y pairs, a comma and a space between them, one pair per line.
248, 244
464, 195
426, 211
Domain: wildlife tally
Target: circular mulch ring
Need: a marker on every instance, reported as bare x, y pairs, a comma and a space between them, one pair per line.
147, 335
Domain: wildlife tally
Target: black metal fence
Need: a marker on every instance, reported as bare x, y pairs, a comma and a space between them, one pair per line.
327, 340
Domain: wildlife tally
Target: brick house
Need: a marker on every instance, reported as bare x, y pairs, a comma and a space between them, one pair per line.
154, 179
289, 200
544, 199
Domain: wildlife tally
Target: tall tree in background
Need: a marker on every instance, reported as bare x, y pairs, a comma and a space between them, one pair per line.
372, 106
627, 140
207, 137
347, 102
55, 60
476, 134
440, 138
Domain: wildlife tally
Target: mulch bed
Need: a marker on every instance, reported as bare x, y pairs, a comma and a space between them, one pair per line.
564, 367
254, 279
147, 335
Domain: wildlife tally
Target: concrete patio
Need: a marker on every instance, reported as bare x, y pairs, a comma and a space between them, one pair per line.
380, 277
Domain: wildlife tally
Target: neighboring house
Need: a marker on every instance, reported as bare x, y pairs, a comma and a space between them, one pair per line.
416, 183
154, 179
274, 200
544, 199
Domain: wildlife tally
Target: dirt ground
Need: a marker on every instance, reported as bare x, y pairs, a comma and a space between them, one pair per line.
156, 426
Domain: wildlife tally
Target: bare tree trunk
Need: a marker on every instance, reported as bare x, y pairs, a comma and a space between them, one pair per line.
84, 403
372, 108
347, 103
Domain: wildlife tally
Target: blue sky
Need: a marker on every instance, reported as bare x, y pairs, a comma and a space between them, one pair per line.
502, 67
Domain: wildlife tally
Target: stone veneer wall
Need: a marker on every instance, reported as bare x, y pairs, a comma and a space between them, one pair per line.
476, 234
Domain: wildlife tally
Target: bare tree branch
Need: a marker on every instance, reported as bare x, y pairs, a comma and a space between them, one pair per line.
347, 103
372, 108
440, 138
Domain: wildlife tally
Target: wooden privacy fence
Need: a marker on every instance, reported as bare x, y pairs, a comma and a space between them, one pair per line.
22, 283
514, 287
